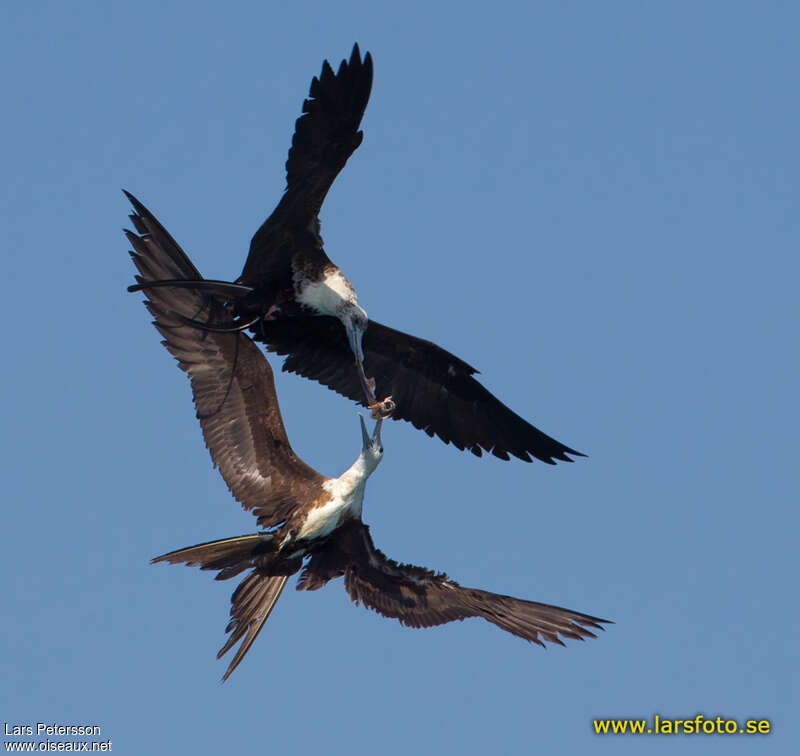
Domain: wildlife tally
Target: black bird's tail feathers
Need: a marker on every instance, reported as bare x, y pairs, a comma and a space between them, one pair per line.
173, 284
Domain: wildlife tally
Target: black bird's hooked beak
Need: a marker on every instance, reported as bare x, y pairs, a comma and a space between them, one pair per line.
355, 334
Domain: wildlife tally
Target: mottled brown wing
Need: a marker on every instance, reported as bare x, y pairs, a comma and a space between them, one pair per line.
421, 598
325, 136
232, 383
433, 389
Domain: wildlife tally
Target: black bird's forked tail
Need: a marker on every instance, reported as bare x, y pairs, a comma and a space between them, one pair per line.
224, 289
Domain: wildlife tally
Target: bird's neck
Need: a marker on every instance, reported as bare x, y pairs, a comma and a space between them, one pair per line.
351, 483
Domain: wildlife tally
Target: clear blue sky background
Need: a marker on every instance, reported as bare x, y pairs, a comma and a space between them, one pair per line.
596, 204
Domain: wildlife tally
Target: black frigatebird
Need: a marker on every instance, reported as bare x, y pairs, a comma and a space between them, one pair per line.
306, 517
296, 300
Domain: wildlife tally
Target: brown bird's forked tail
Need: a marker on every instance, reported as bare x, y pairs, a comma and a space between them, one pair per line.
251, 604
229, 555
255, 597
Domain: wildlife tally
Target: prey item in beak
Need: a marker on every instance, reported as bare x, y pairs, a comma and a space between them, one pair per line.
382, 409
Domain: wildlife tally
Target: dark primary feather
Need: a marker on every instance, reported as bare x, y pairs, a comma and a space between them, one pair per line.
232, 383
325, 136
433, 389
327, 132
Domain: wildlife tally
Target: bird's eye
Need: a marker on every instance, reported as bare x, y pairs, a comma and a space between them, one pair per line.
380, 450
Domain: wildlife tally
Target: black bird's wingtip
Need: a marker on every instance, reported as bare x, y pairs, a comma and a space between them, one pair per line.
137, 206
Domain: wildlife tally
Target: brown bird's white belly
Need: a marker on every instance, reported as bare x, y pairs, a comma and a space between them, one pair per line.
346, 501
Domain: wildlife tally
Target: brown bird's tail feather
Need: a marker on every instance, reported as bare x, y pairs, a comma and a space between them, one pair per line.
230, 555
251, 604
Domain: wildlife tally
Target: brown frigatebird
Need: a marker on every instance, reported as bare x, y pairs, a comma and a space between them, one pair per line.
305, 517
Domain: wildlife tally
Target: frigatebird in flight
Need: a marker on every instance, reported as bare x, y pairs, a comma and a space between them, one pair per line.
295, 300
305, 516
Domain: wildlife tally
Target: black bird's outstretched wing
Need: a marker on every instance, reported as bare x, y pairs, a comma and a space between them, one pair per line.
433, 389
421, 598
232, 382
325, 136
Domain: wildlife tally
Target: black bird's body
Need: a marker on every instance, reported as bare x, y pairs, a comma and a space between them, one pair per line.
295, 300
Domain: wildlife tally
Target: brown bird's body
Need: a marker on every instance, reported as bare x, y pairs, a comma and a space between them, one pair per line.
311, 522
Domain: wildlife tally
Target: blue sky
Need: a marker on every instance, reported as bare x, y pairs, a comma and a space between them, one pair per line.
594, 204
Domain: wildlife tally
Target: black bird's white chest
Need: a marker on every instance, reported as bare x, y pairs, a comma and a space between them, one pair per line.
326, 290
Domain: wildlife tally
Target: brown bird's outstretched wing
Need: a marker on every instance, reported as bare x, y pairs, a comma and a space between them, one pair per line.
421, 598
433, 389
232, 382
325, 136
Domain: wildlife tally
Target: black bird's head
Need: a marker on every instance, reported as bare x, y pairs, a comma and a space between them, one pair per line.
355, 321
